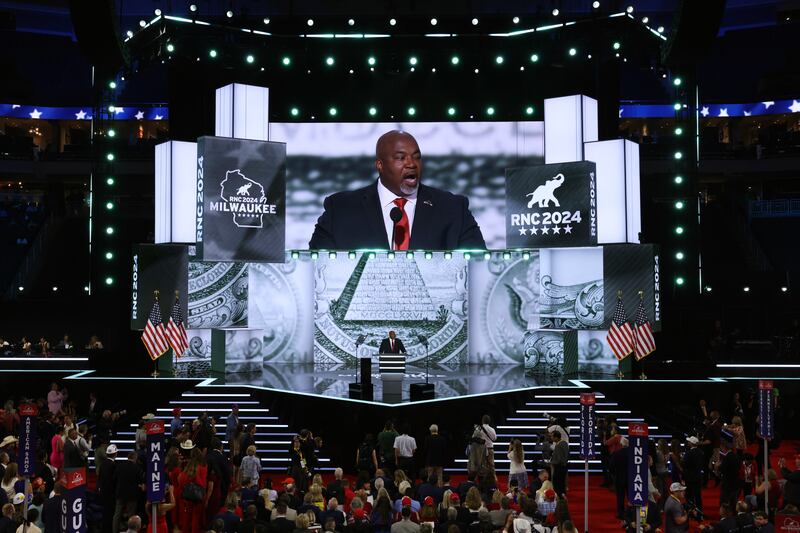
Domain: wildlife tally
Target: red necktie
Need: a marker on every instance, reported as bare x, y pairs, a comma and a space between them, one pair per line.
402, 231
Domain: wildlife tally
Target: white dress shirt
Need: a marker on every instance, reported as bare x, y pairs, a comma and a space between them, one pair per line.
387, 198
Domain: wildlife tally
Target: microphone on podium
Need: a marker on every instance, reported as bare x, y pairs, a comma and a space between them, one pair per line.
396, 214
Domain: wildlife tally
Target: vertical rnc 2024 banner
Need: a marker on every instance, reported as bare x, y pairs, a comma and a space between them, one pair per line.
154, 456
241, 200
73, 505
766, 409
27, 438
587, 425
637, 464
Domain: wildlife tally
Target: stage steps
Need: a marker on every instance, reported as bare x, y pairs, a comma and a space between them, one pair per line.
530, 420
273, 437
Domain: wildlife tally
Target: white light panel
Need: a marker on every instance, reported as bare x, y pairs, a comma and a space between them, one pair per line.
175, 191
242, 112
569, 122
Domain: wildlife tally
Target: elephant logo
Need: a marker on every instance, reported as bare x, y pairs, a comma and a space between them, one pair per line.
244, 190
543, 194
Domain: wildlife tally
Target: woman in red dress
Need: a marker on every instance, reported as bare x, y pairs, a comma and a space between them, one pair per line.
192, 483
161, 511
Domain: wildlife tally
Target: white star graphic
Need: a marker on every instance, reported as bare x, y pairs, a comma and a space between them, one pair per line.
747, 113
723, 112
35, 114
14, 106
767, 105
534, 231
567, 229
795, 107
545, 231
80, 115
523, 231
556, 229
620, 112
158, 117
119, 110
704, 111
139, 115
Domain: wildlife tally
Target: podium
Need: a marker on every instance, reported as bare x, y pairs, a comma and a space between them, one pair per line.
389, 363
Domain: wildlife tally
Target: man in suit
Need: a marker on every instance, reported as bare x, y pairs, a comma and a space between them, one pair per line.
73, 457
430, 219
392, 344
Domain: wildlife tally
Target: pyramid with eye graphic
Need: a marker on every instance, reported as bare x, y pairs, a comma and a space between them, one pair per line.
379, 291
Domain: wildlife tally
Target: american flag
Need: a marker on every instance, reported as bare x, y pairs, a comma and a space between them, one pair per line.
643, 332
620, 335
176, 332
154, 337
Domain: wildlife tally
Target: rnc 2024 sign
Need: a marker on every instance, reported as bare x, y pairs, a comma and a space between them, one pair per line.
241, 200
548, 206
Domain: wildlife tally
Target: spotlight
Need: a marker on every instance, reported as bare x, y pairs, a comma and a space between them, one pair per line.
679, 280
454, 60
616, 45
332, 111
109, 280
109, 205
294, 111
250, 59
351, 22
110, 157
677, 81
529, 110
109, 256
645, 20
679, 205
572, 51
708, 288
142, 23
629, 9
392, 22
660, 29
329, 61
109, 181
55, 289
499, 60
266, 20
679, 230
596, 4
129, 33
310, 22
109, 230
212, 53
286, 61
678, 155
476, 71
679, 256
157, 12
515, 20
373, 111
20, 288
434, 22
192, 7
371, 61
784, 289
451, 111
474, 22
678, 180
746, 288
678, 131
170, 48
112, 84
412, 60
490, 110
111, 133
229, 14
676, 106
412, 111
556, 12
534, 58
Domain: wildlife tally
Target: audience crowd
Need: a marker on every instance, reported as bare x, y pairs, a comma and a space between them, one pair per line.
396, 485
43, 348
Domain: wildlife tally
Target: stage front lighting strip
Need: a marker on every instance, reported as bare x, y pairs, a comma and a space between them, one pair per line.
756, 365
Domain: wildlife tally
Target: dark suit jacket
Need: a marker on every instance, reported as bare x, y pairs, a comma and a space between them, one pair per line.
73, 458
353, 220
386, 347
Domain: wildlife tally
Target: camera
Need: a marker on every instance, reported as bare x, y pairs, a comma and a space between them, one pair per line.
694, 512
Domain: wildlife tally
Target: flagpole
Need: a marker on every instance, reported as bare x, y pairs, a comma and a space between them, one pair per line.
155, 361
620, 373
642, 375
174, 351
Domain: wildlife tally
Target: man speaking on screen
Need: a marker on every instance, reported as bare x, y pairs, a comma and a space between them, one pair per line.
397, 212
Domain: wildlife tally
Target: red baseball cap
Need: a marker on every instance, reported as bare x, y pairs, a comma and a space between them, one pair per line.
549, 493
359, 513
428, 500
406, 501
454, 497
288, 481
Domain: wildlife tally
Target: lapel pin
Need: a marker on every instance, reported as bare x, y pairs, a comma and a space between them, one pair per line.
427, 202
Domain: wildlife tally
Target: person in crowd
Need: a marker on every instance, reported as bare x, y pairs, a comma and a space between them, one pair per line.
106, 485
299, 467
7, 522
547, 503
404, 448
30, 522
558, 463
676, 519
44, 347
405, 525
748, 474
332, 512
386, 455
219, 477
129, 485
231, 423
367, 458
430, 489
729, 467
727, 522
675, 464
250, 468
435, 454
499, 516
771, 487
791, 489
9, 481
176, 423
134, 524
192, 493
281, 520
26, 346
94, 343
56, 398
490, 436
228, 514
65, 345
73, 453
762, 524
651, 522
51, 510
163, 509
693, 464
381, 517
517, 470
